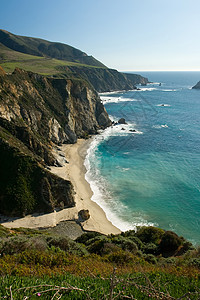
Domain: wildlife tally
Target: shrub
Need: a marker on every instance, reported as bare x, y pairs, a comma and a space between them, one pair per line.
150, 258
109, 248
137, 241
195, 262
150, 234
18, 244
67, 245
120, 257
125, 243
170, 242
87, 236
151, 248
96, 245
4, 231
14, 245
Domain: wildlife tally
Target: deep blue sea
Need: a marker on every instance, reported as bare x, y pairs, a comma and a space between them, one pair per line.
148, 171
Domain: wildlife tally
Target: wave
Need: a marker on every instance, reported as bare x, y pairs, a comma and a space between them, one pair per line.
147, 89
163, 105
107, 99
160, 126
169, 90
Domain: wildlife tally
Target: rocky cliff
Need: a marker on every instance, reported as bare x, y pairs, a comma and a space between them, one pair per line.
37, 113
104, 79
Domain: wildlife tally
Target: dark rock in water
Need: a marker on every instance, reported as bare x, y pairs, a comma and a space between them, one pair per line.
132, 130
197, 86
84, 214
122, 121
122, 128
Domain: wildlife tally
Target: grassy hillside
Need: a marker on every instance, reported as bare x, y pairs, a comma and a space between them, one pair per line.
43, 48
11, 59
38, 263
61, 61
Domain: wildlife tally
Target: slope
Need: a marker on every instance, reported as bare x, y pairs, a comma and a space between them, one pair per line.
43, 48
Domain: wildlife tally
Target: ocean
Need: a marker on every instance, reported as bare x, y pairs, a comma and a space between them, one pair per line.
147, 172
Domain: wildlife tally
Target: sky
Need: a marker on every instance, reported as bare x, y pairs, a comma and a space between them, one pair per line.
127, 35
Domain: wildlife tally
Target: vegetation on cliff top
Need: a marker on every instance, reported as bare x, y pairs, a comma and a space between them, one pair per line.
43, 48
111, 267
61, 61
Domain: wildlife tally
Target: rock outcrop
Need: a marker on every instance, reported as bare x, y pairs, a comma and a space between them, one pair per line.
35, 114
104, 79
197, 86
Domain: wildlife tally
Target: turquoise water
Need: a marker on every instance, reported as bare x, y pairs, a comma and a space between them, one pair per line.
151, 176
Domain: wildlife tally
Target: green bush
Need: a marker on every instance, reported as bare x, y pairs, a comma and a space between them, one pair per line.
67, 245
17, 244
4, 231
150, 258
96, 245
195, 262
151, 248
170, 242
120, 257
137, 241
150, 234
87, 236
14, 245
125, 243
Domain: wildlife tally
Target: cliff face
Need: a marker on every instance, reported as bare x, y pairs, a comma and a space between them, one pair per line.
58, 110
35, 113
105, 80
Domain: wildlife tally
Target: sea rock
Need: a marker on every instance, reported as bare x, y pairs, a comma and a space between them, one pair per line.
197, 86
122, 121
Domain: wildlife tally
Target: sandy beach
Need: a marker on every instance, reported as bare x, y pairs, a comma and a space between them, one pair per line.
74, 170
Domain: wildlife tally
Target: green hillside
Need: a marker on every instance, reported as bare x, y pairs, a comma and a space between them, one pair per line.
61, 61
43, 48
11, 59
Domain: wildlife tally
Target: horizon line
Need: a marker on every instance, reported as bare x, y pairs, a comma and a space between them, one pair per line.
159, 71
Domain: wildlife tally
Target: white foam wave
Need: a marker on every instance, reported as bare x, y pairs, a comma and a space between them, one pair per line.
107, 99
118, 130
114, 92
168, 90
147, 89
125, 169
160, 126
163, 105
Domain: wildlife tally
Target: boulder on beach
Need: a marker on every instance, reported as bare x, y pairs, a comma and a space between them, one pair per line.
84, 214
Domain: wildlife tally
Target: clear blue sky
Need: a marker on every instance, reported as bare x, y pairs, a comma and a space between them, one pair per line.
128, 35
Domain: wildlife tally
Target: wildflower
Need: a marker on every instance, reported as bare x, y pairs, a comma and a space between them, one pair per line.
38, 294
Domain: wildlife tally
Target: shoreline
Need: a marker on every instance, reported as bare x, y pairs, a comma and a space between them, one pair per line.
74, 170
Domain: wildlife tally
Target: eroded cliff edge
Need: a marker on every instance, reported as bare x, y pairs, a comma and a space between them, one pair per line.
37, 113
